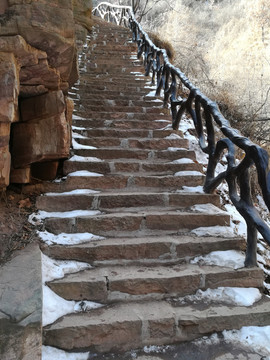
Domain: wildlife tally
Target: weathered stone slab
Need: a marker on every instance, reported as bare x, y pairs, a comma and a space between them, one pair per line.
9, 87
43, 106
46, 170
44, 140
20, 176
21, 302
5, 163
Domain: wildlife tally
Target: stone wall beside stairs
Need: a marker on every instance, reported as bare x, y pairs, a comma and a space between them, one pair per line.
38, 64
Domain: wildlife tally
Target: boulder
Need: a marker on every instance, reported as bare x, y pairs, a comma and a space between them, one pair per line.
9, 88
44, 133
20, 176
43, 106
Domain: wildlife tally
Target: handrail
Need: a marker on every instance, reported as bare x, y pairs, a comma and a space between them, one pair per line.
205, 115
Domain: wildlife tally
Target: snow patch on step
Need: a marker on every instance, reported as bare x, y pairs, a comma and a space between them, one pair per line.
56, 269
68, 239
229, 258
255, 338
207, 208
218, 231
78, 136
228, 295
84, 173
51, 353
173, 149
85, 159
73, 192
37, 218
79, 128
76, 117
193, 189
54, 306
77, 146
188, 173
182, 161
173, 136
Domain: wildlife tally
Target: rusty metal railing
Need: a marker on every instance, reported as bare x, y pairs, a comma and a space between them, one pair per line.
206, 117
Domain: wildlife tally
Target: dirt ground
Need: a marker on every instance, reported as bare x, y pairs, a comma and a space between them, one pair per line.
15, 230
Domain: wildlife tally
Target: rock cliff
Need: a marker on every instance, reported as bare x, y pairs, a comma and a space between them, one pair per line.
38, 64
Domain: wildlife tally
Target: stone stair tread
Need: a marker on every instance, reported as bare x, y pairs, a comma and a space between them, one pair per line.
120, 167
122, 283
142, 154
117, 200
145, 223
128, 326
145, 249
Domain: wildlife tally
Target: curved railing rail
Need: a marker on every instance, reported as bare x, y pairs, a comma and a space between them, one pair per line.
206, 117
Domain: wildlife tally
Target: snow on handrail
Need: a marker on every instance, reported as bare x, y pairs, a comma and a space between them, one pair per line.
183, 97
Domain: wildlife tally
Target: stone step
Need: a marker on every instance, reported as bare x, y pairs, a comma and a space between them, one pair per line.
151, 250
124, 124
154, 155
122, 167
122, 115
112, 68
142, 134
104, 97
143, 103
112, 87
133, 224
131, 181
100, 201
139, 283
123, 327
126, 109
129, 143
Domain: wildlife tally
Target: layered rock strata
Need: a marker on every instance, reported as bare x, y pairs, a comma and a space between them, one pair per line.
38, 64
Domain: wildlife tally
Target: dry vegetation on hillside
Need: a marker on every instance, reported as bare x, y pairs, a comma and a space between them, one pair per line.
223, 46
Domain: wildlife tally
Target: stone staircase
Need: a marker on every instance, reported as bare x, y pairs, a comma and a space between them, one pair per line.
122, 154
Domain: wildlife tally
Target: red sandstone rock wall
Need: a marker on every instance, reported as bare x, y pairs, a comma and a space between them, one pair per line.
38, 64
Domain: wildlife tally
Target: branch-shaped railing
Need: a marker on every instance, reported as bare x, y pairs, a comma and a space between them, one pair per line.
207, 118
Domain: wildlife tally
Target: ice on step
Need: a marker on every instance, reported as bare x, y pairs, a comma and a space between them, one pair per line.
67, 239
85, 159
188, 173
229, 258
74, 192
38, 217
228, 295
51, 353
84, 173
218, 231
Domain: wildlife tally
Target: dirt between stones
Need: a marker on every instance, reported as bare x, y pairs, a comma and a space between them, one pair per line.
15, 230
